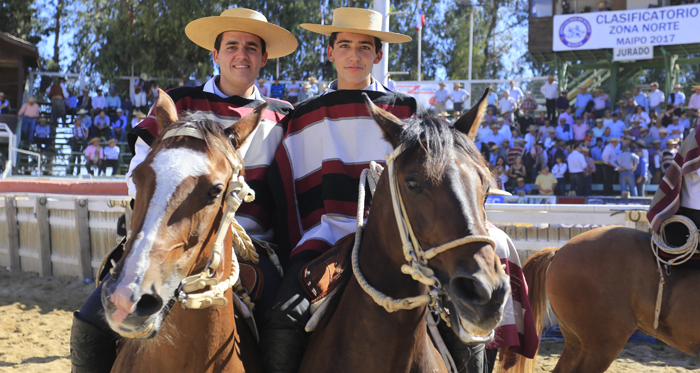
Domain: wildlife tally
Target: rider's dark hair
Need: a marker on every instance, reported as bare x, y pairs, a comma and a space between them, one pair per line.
334, 37
217, 43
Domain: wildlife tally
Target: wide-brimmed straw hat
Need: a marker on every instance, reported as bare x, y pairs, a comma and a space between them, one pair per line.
95, 139
357, 21
82, 111
278, 41
696, 87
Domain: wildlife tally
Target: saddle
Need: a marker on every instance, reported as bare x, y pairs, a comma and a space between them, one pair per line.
321, 276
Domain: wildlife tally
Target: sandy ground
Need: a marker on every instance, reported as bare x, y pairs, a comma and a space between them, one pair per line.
36, 316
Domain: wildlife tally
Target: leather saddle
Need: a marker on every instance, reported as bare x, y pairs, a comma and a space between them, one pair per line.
321, 276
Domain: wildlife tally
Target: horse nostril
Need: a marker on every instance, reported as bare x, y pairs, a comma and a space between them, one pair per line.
148, 305
471, 290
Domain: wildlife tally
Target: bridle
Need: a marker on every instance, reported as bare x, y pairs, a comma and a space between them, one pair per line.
417, 258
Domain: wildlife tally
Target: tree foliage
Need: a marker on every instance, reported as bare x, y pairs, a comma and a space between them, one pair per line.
18, 18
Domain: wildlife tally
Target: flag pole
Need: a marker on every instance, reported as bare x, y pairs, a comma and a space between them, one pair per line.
420, 37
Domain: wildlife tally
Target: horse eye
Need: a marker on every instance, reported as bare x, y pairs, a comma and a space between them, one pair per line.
215, 192
412, 184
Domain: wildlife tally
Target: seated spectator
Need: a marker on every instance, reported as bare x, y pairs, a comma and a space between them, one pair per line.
599, 128
71, 104
607, 135
94, 155
562, 102
98, 103
626, 163
666, 117
588, 172
567, 116
138, 117
540, 120
559, 171
599, 102
517, 168
4, 104
501, 172
641, 115
85, 101
494, 154
563, 130
531, 137
616, 126
668, 154
589, 119
526, 120
495, 137
111, 158
635, 131
29, 113
112, 103
607, 118
516, 151
543, 131
101, 126
675, 129
685, 123
529, 103
545, 181
85, 119
77, 143
663, 137
119, 126
538, 158
582, 100
490, 117
551, 141
521, 189
42, 134
579, 130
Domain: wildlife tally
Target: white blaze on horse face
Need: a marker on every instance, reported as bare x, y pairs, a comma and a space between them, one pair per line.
171, 167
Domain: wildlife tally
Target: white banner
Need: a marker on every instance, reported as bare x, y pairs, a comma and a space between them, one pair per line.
628, 28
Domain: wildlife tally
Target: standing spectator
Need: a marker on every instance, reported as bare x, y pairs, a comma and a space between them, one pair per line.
441, 98
641, 173
526, 121
293, 89
550, 92
119, 126
545, 181
93, 155
579, 130
113, 102
522, 189
562, 103
627, 163
641, 98
42, 134
597, 150
588, 172
458, 97
677, 99
277, 90
609, 154
101, 126
58, 94
29, 112
85, 120
655, 161
492, 101
577, 166
98, 103
551, 139
694, 102
616, 126
85, 101
516, 94
305, 92
656, 98
262, 87
646, 137
314, 86
507, 105
154, 91
77, 143
127, 108
582, 100
71, 105
559, 171
139, 101
111, 158
4, 104
529, 103
599, 102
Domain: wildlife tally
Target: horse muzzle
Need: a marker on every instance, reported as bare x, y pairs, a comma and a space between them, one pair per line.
130, 312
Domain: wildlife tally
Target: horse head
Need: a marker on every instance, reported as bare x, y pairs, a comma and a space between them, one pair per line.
181, 188
443, 182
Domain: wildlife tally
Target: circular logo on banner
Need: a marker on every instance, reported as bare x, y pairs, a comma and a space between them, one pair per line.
575, 32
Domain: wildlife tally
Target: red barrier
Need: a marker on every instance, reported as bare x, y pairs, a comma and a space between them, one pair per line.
76, 187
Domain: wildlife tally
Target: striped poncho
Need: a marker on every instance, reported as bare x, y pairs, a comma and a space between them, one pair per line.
258, 151
667, 199
329, 140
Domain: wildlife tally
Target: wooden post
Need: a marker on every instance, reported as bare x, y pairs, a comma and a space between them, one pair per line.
83, 231
42, 219
12, 232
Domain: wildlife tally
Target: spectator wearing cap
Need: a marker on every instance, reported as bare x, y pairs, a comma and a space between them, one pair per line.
530, 137
588, 172
521, 189
576, 163
675, 129
656, 98
563, 130
119, 125
42, 134
28, 113
582, 100
93, 155
458, 96
101, 125
111, 157
626, 163
293, 89
609, 154
550, 91
616, 126
677, 99
546, 182
98, 103
4, 104
441, 98
112, 103
579, 130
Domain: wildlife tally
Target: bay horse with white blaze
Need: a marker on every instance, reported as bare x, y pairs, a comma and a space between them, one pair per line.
186, 186
432, 196
602, 286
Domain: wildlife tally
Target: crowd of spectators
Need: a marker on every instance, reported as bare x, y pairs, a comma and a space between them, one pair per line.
294, 92
571, 145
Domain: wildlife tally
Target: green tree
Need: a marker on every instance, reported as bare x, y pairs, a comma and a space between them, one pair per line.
19, 18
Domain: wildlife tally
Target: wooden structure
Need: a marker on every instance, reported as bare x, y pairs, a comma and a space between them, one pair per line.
16, 57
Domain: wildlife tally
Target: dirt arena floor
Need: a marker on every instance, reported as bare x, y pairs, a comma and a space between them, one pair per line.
36, 316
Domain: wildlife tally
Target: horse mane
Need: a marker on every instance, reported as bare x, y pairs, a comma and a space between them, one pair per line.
212, 132
438, 141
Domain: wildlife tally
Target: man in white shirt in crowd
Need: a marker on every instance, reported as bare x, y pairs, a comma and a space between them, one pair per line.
577, 163
441, 99
563, 130
677, 99
458, 96
609, 154
507, 105
656, 98
675, 129
550, 91
493, 138
98, 103
111, 153
641, 98
516, 93
139, 100
694, 102
530, 137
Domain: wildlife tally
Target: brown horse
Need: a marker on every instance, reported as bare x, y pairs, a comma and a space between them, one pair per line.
183, 186
602, 285
443, 181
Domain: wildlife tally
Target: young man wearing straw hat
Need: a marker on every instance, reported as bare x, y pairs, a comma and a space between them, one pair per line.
241, 41
311, 222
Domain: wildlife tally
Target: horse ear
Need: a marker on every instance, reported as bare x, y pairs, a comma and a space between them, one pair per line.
166, 113
469, 122
390, 124
240, 131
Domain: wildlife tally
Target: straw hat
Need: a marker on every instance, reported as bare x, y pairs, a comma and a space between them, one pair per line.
670, 141
641, 143
677, 86
495, 147
111, 141
82, 111
656, 142
31, 99
441, 84
139, 114
278, 41
494, 126
614, 139
499, 119
599, 120
95, 139
521, 179
663, 130
532, 127
313, 80
552, 130
696, 87
585, 149
306, 85
262, 81
357, 21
